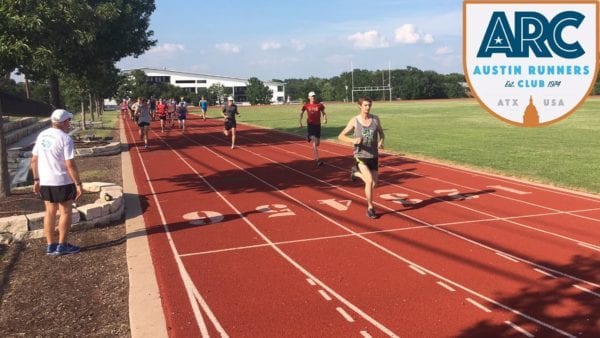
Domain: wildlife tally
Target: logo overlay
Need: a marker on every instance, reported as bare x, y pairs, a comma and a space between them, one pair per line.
530, 63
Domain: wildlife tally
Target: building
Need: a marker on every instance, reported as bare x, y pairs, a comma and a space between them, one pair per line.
191, 82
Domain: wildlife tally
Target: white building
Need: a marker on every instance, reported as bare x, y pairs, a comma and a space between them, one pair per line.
235, 87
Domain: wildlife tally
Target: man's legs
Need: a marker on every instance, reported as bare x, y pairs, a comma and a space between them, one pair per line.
50, 221
64, 220
232, 138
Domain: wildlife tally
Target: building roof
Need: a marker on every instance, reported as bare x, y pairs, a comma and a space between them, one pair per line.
209, 76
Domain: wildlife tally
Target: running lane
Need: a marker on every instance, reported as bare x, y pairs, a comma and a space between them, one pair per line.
264, 243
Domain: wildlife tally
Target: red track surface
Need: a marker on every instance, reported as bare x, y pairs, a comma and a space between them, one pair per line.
258, 242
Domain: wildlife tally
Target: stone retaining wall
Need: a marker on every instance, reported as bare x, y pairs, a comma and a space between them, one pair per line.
109, 207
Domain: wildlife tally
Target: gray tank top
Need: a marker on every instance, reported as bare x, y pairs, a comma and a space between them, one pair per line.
370, 139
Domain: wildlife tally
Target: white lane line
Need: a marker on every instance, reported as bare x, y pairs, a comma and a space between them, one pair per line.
377, 245
325, 295
507, 256
478, 305
192, 293
469, 208
419, 271
520, 329
446, 286
587, 290
543, 272
365, 334
589, 246
514, 191
256, 246
297, 265
422, 221
345, 314
311, 282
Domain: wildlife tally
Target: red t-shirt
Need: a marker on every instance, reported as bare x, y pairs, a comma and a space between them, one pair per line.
313, 112
161, 109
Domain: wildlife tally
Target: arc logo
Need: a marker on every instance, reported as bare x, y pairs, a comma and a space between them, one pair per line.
530, 63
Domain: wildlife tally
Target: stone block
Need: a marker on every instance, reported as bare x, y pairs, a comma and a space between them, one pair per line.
36, 221
13, 224
90, 211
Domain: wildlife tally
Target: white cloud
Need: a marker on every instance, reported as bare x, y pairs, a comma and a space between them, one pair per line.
368, 40
408, 34
270, 45
428, 38
167, 48
298, 44
444, 51
228, 48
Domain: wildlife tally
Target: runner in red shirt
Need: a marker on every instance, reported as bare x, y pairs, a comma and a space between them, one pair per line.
161, 111
314, 110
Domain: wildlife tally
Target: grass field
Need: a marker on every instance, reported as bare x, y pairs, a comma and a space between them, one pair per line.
565, 154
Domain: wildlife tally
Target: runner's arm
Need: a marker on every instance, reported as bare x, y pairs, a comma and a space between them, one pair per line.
343, 135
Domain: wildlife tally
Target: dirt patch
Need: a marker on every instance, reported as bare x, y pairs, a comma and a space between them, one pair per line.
70, 296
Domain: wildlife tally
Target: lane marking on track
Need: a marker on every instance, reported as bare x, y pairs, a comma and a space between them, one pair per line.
589, 246
365, 334
418, 227
311, 282
508, 220
586, 290
520, 329
297, 265
192, 293
325, 295
514, 191
422, 221
544, 273
375, 244
419, 271
446, 286
477, 304
507, 256
345, 314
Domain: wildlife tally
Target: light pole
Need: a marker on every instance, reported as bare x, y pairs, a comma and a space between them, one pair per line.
346, 93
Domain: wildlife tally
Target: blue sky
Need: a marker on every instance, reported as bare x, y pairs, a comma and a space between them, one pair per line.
302, 38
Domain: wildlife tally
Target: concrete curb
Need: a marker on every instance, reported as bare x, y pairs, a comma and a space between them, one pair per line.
146, 315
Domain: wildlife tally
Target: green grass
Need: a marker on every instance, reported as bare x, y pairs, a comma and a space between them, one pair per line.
109, 120
566, 154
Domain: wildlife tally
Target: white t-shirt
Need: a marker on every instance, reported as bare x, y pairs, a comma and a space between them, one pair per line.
53, 147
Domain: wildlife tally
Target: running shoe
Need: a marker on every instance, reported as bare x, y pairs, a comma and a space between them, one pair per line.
51, 248
353, 171
371, 213
66, 249
319, 163
145, 147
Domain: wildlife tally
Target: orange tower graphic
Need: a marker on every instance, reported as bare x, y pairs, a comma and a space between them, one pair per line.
531, 118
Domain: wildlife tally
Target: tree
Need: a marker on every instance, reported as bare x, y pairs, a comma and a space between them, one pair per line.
257, 92
88, 32
216, 94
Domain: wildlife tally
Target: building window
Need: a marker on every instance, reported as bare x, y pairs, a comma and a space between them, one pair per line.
279, 88
159, 79
185, 81
200, 81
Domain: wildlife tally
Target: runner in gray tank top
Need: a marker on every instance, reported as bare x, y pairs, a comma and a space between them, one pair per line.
368, 139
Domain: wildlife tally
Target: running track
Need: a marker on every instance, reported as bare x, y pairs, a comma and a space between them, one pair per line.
258, 242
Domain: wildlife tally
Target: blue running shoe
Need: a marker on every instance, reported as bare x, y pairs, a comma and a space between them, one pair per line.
51, 248
66, 249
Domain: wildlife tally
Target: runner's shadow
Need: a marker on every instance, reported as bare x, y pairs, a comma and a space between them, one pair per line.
445, 198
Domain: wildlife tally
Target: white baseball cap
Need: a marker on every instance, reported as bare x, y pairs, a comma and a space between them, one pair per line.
311, 94
230, 98
60, 115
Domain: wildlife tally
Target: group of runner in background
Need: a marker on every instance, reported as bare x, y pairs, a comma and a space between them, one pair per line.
367, 132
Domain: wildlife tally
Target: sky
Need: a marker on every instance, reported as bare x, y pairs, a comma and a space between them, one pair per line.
285, 39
